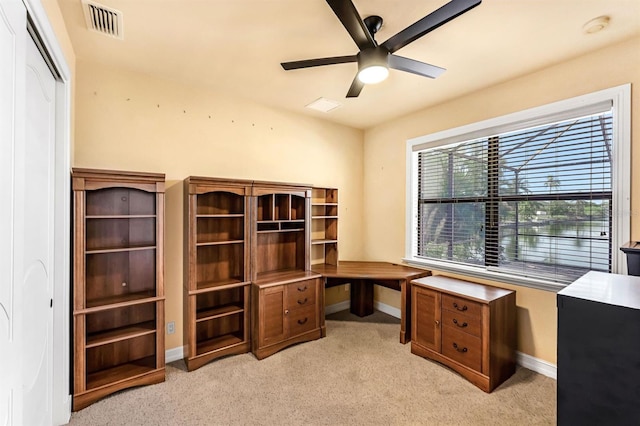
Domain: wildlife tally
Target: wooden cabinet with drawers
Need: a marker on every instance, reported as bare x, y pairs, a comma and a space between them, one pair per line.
286, 312
468, 327
287, 298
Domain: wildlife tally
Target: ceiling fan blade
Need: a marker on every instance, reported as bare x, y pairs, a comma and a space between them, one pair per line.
294, 65
429, 23
416, 67
356, 88
350, 18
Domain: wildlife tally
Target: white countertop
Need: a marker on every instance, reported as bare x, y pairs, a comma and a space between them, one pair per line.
612, 289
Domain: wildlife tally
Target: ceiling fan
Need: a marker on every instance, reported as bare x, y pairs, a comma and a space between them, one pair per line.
374, 60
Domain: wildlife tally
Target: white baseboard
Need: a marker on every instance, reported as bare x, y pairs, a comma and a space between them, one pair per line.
387, 309
174, 354
538, 365
527, 361
337, 307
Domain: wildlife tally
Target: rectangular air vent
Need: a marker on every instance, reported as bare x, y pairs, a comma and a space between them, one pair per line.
323, 105
103, 19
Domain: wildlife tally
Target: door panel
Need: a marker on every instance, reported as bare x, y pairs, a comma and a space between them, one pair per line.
427, 328
12, 38
38, 237
272, 315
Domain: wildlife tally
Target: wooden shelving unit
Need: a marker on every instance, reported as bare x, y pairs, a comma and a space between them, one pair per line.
118, 293
324, 226
288, 299
280, 230
216, 267
240, 232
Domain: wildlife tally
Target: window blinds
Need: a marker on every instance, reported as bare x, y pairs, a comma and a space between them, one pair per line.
534, 201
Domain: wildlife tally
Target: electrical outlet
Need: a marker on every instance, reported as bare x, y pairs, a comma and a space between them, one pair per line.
171, 327
346, 287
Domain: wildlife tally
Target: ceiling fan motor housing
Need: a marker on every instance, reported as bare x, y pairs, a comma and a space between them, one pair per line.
373, 23
374, 56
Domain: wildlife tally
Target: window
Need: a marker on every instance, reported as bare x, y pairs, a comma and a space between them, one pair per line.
533, 198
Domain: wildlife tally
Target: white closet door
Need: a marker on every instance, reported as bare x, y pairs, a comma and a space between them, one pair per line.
30, 145
12, 45
38, 234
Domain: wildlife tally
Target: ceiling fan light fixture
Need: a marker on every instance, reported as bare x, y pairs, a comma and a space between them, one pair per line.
373, 74
373, 65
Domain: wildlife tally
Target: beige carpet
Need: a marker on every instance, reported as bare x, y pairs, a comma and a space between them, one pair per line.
358, 374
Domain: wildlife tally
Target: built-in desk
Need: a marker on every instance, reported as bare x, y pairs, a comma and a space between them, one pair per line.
363, 275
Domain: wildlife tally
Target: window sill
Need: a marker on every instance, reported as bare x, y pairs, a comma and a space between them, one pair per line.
499, 277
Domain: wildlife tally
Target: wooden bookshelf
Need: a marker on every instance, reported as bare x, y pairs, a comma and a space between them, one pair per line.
118, 293
324, 226
216, 267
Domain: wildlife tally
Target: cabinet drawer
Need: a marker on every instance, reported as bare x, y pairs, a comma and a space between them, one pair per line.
467, 323
302, 320
465, 306
462, 347
301, 294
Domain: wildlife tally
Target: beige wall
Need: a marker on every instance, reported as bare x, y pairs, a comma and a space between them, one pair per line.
54, 14
129, 121
384, 162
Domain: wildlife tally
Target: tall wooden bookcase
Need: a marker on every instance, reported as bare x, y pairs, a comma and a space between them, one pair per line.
216, 269
324, 226
288, 299
118, 293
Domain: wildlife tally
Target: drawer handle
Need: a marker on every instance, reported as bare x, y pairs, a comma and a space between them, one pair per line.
464, 308
302, 288
302, 302
286, 312
463, 325
304, 321
455, 346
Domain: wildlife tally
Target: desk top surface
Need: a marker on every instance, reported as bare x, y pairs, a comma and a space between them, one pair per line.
478, 292
284, 277
612, 289
369, 270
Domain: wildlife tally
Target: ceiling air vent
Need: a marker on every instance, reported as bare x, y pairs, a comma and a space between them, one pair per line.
323, 105
103, 19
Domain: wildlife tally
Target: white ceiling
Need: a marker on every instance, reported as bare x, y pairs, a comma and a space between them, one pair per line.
236, 46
